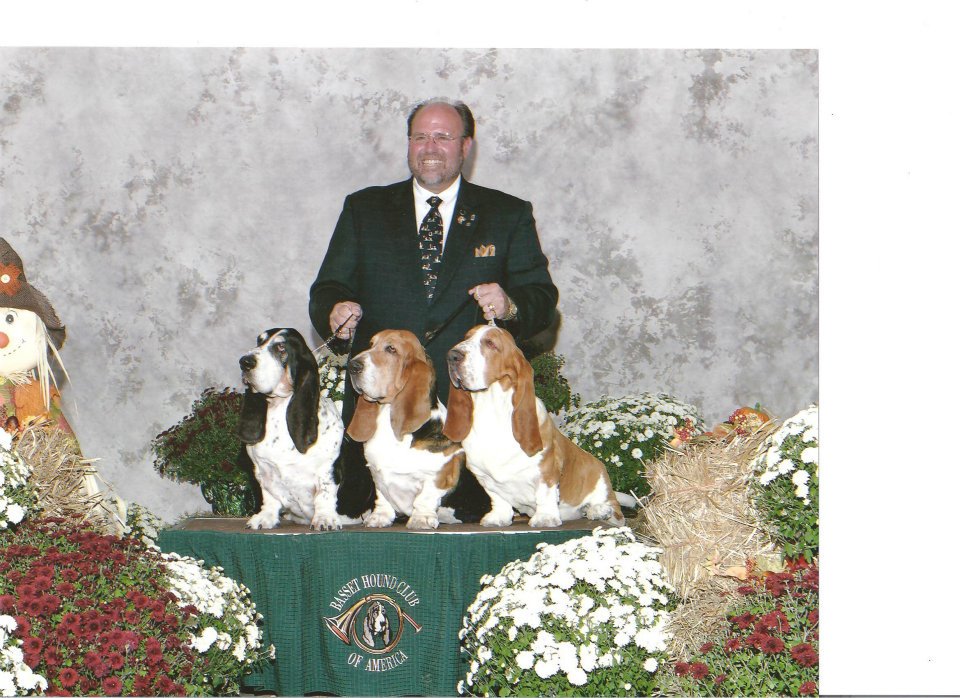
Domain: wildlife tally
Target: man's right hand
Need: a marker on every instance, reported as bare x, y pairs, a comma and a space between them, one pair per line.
348, 314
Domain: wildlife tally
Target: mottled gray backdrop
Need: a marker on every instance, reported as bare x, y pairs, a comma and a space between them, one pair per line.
173, 203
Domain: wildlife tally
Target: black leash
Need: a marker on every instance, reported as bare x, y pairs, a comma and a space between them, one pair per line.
430, 335
326, 344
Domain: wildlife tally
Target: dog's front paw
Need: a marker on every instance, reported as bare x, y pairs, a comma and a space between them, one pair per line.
495, 518
263, 520
323, 521
423, 521
539, 520
379, 519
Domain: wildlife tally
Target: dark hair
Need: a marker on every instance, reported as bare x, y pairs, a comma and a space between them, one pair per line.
466, 116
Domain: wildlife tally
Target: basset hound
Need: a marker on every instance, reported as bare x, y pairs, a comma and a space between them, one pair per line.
417, 471
376, 624
292, 433
512, 445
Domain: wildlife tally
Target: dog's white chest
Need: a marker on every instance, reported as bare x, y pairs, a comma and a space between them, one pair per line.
398, 469
291, 477
494, 455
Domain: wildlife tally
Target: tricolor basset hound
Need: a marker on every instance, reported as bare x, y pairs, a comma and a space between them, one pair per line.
291, 432
512, 445
417, 471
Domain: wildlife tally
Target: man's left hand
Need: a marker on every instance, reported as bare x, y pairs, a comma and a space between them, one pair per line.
492, 299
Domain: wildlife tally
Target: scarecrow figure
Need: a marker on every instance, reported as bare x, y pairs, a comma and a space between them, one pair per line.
30, 333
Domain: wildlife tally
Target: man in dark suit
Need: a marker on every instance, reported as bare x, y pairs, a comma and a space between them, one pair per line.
383, 270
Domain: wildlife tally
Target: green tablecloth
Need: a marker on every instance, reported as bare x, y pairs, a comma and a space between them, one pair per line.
317, 590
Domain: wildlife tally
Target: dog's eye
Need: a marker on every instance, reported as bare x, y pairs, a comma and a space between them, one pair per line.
10, 318
390, 349
281, 349
490, 344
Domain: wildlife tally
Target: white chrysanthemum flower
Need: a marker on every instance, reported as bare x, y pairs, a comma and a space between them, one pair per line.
204, 640
810, 454
525, 659
801, 477
545, 669
577, 676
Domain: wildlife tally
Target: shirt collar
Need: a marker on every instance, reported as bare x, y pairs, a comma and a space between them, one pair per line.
448, 195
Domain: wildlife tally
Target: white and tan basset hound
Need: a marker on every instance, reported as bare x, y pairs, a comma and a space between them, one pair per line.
292, 433
417, 471
512, 445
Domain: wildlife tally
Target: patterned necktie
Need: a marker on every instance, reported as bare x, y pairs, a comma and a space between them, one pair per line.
431, 238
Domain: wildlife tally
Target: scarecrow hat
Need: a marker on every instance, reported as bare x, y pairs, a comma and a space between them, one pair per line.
15, 292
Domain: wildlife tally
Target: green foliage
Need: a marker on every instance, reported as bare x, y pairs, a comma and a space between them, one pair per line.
770, 645
203, 447
787, 489
550, 385
628, 432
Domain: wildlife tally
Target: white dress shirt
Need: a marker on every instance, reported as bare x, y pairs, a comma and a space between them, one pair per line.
448, 199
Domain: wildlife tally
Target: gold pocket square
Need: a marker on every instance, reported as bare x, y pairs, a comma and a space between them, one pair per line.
485, 251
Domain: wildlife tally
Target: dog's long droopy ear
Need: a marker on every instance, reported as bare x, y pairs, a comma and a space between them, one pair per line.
526, 425
252, 425
411, 408
459, 414
302, 418
364, 421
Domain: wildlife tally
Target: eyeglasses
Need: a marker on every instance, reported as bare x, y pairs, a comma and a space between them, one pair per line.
438, 138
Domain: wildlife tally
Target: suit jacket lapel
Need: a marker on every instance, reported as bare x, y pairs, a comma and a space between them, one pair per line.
402, 230
460, 236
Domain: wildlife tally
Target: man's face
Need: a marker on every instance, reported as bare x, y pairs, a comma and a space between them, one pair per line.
433, 160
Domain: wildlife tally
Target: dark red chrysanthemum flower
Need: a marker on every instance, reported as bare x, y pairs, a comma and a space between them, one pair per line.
746, 590
91, 660
771, 645
50, 604
774, 586
23, 625
719, 679
112, 686
706, 647
68, 677
7, 603
743, 621
775, 620
699, 671
808, 688
32, 644
814, 616
732, 645
51, 656
114, 659
804, 654
682, 668
31, 659
70, 621
141, 686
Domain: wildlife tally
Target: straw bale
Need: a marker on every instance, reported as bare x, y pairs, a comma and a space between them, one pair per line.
699, 510
66, 482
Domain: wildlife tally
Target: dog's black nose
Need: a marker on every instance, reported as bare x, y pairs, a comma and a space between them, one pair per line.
354, 367
248, 362
454, 356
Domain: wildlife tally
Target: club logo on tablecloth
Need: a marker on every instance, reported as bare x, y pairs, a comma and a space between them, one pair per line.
374, 623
